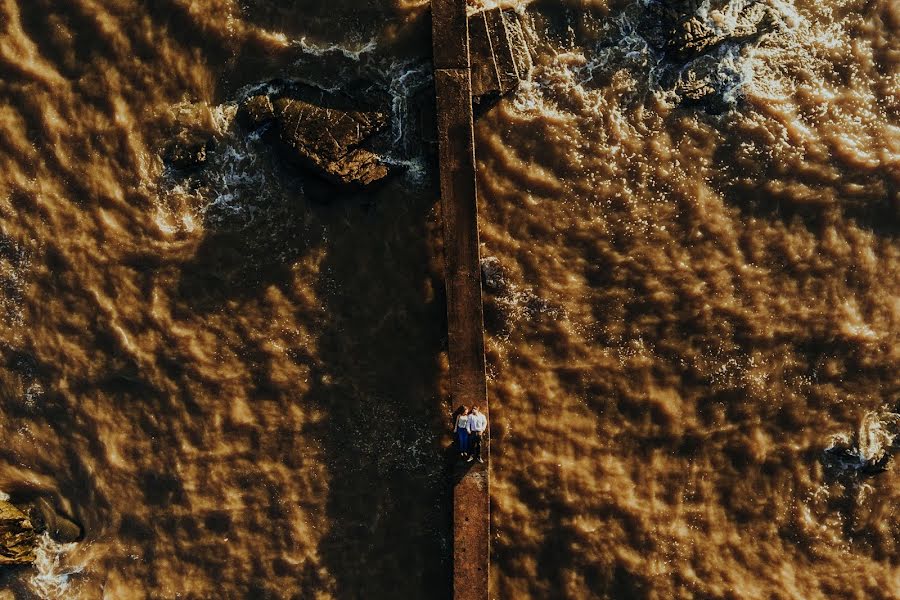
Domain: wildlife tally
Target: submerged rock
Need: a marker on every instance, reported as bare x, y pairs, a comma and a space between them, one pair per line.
848, 459
504, 303
186, 155
327, 141
493, 276
869, 450
18, 538
45, 518
190, 134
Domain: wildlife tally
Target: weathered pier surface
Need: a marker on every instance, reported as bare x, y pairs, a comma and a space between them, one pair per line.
462, 272
498, 51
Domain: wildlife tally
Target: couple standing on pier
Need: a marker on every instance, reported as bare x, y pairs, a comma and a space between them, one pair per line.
468, 428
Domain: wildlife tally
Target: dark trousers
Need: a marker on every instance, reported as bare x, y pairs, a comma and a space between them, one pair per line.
462, 440
475, 444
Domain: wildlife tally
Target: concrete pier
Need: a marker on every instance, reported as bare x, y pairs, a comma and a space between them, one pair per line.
462, 273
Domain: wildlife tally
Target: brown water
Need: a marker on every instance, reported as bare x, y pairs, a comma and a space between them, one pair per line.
237, 387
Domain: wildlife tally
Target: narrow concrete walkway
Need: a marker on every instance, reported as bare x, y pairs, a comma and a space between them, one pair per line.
462, 272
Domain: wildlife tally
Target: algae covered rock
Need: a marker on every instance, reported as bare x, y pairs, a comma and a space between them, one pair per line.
18, 538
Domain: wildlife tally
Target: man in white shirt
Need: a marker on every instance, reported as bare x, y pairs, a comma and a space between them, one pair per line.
476, 426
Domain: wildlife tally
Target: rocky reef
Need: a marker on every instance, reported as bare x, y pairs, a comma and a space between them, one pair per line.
327, 134
327, 141
22, 523
690, 37
18, 537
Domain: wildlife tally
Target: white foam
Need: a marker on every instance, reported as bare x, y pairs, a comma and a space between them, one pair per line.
353, 53
875, 437
736, 68
405, 79
235, 183
52, 580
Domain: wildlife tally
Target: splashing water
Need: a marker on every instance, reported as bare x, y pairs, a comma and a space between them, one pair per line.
53, 579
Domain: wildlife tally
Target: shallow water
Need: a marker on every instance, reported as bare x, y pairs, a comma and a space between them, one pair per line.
237, 387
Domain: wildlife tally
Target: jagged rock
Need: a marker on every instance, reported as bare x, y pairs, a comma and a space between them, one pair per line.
257, 111
326, 140
691, 37
675, 27
498, 50
687, 35
186, 155
18, 538
695, 84
190, 132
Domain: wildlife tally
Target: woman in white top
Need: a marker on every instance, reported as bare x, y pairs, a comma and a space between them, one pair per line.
461, 430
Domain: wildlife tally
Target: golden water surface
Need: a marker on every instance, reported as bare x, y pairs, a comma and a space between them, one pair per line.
237, 386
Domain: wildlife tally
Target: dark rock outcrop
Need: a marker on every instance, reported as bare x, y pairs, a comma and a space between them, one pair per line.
688, 42
687, 36
256, 111
189, 133
493, 276
695, 83
327, 141
848, 459
186, 155
18, 537
691, 37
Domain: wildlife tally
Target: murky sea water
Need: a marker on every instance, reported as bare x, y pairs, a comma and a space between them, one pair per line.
235, 380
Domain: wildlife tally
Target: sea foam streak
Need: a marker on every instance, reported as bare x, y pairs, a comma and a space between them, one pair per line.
53, 579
